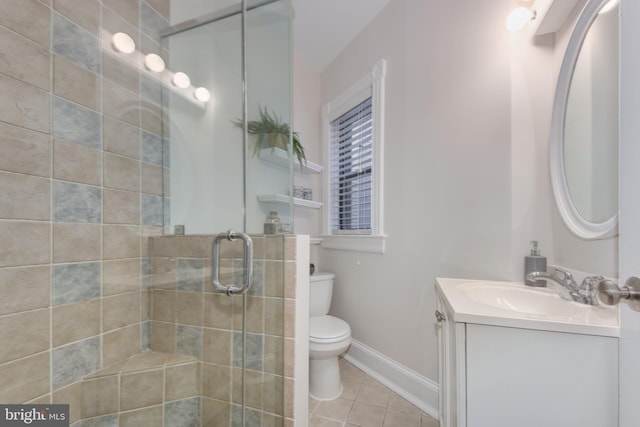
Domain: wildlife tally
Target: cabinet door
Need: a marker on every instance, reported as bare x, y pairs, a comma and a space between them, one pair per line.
527, 378
451, 370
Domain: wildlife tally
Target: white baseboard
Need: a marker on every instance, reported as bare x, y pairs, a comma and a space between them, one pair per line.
412, 386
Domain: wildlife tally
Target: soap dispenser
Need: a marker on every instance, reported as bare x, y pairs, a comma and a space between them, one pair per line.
272, 224
535, 262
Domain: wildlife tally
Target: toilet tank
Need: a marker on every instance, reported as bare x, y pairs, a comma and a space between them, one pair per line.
320, 291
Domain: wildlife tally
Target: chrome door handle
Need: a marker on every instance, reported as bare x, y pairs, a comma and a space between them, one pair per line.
248, 263
610, 294
440, 317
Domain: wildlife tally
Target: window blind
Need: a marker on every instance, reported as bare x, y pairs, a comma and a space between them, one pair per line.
351, 159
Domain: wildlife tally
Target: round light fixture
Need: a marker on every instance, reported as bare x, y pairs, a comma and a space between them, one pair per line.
181, 80
608, 6
518, 18
122, 42
154, 63
202, 94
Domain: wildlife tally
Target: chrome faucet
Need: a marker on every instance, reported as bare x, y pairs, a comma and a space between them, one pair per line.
567, 286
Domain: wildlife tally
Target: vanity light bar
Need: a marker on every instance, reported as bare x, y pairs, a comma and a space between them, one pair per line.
124, 44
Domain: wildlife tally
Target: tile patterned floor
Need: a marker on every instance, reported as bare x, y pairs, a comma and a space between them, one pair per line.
366, 403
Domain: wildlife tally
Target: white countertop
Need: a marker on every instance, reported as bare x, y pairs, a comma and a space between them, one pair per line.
578, 318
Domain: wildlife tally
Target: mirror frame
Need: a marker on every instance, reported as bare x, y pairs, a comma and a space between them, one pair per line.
578, 225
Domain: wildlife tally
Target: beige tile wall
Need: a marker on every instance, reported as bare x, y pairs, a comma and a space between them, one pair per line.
148, 389
72, 181
77, 199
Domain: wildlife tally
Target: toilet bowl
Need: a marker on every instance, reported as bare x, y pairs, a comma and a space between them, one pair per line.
329, 337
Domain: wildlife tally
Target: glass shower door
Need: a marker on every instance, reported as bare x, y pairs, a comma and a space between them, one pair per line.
218, 179
205, 191
217, 183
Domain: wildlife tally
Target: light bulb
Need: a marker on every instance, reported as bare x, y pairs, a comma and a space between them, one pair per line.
608, 6
122, 42
181, 80
518, 18
154, 63
202, 94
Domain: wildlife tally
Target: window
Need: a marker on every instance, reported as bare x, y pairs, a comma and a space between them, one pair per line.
351, 161
353, 125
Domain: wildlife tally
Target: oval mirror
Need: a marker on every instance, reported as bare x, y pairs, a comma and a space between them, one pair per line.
584, 127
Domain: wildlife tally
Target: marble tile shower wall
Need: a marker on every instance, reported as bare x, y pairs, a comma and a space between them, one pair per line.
80, 191
189, 318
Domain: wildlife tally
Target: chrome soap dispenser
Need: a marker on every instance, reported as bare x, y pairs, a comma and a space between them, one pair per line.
535, 262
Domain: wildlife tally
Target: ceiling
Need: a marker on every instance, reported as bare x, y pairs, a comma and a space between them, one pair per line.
323, 28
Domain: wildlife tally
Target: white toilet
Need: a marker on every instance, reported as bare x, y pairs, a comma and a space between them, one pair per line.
329, 337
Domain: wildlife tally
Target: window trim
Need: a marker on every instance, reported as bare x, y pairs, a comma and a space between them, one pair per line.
372, 84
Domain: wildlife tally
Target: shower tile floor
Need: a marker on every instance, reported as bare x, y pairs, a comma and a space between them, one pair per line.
365, 402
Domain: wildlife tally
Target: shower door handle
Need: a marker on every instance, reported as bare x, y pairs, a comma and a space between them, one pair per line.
248, 263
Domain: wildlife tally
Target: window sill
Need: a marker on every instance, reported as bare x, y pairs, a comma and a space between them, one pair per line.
373, 244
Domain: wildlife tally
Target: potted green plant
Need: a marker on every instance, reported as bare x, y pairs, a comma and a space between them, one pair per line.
273, 133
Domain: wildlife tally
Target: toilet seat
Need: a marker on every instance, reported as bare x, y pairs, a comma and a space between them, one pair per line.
328, 329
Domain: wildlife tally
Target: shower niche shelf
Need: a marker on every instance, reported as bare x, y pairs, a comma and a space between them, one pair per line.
281, 157
284, 199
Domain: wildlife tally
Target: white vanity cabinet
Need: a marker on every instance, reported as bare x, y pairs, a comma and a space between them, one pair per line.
503, 376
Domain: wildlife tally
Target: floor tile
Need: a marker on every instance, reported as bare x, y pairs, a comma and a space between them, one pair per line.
316, 421
429, 421
366, 415
365, 402
336, 409
350, 390
374, 395
351, 373
397, 403
404, 419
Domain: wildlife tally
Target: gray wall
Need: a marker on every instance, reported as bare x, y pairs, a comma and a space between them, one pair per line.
466, 167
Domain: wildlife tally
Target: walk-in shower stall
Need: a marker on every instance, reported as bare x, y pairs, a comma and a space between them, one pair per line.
222, 180
137, 283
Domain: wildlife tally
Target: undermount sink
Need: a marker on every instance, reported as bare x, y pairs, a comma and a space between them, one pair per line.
521, 299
